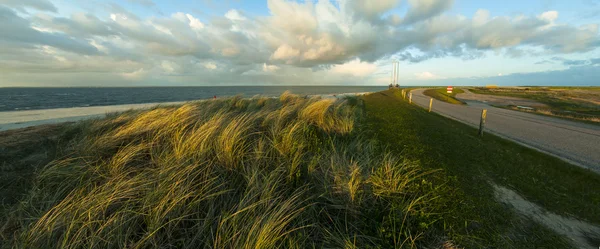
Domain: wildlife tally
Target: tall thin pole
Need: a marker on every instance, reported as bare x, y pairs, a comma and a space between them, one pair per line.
397, 73
392, 74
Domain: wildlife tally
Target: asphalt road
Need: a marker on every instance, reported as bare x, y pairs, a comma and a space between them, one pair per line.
577, 143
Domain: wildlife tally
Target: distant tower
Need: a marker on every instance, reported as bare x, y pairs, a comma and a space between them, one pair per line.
397, 72
394, 77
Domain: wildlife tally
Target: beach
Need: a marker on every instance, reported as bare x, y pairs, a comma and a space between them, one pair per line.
21, 119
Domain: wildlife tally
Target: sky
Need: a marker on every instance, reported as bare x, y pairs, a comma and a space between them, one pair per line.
56, 43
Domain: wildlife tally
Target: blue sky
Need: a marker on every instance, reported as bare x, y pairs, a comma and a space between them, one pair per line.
277, 42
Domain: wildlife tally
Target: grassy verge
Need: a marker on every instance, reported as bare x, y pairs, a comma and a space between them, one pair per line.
441, 95
582, 104
291, 172
440, 143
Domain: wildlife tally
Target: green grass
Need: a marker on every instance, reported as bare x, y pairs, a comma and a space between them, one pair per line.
292, 172
442, 95
440, 143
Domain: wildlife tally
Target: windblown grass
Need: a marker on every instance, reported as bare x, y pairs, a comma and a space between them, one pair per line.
292, 172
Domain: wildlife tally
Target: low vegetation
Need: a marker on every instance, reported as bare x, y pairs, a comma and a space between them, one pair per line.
475, 164
291, 172
442, 95
287, 172
576, 103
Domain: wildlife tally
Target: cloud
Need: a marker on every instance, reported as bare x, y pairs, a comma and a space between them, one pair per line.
427, 76
43, 5
424, 9
235, 15
146, 3
135, 75
371, 9
354, 68
549, 16
19, 32
270, 68
568, 62
209, 65
285, 52
327, 40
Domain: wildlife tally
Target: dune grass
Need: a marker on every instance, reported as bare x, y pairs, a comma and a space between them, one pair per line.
441, 95
291, 172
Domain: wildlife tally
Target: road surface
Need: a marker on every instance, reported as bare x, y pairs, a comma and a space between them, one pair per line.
577, 143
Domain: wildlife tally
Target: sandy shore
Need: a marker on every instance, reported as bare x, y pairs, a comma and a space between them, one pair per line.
21, 119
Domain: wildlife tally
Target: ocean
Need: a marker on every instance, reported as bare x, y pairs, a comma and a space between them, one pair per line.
18, 99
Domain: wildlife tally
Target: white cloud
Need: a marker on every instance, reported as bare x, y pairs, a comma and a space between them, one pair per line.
195, 24
427, 76
209, 65
270, 68
355, 68
371, 8
481, 17
135, 75
549, 16
285, 52
235, 15
170, 67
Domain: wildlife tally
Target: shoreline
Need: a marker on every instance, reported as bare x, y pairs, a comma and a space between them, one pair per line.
21, 119
10, 120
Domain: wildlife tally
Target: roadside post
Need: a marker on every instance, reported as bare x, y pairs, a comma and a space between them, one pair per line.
482, 121
430, 104
410, 98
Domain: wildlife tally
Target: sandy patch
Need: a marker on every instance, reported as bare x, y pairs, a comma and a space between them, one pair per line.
498, 100
582, 234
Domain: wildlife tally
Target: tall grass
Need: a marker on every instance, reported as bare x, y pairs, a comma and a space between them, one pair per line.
292, 172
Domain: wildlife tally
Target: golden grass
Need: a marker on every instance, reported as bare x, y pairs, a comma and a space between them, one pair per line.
230, 173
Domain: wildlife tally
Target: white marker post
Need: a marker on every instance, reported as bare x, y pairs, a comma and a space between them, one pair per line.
482, 121
430, 104
410, 98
